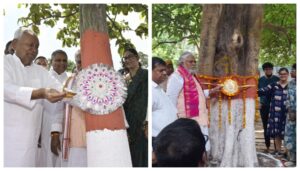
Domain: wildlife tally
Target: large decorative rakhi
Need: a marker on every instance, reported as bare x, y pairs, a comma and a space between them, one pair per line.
230, 88
100, 89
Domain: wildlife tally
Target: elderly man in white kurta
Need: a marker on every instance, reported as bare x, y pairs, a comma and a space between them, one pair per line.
186, 93
53, 116
26, 85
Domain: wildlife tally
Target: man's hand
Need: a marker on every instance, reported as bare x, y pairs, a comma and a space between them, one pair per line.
50, 94
215, 90
55, 143
53, 95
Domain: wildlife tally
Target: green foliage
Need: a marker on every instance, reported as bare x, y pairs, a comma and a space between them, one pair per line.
177, 27
143, 59
71, 66
172, 51
173, 23
278, 44
50, 15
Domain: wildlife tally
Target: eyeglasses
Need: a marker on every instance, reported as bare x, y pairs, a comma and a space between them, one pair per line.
192, 61
283, 73
128, 57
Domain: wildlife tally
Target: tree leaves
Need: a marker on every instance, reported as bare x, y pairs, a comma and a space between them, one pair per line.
278, 43
177, 25
50, 15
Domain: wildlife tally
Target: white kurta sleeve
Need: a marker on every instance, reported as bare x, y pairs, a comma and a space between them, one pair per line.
14, 93
57, 123
174, 86
58, 118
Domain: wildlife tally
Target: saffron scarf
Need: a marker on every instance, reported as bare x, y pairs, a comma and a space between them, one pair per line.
191, 96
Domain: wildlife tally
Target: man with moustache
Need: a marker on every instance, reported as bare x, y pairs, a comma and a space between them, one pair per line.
186, 93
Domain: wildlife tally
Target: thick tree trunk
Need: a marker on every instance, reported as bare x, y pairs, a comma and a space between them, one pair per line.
107, 143
229, 46
230, 39
211, 15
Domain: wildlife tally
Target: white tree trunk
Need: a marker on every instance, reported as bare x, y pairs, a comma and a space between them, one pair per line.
233, 145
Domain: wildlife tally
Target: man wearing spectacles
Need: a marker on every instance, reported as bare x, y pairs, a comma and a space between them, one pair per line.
186, 93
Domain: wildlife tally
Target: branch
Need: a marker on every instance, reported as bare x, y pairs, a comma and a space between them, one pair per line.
114, 25
173, 20
171, 41
278, 28
51, 16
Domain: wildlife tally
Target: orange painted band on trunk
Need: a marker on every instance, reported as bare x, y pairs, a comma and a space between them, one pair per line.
112, 121
95, 48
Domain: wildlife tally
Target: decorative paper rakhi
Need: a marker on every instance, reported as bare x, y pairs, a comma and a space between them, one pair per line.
100, 89
229, 88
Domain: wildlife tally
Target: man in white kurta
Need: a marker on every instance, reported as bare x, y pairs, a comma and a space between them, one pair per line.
26, 85
53, 114
175, 91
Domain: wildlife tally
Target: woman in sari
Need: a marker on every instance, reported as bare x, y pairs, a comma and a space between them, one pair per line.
135, 107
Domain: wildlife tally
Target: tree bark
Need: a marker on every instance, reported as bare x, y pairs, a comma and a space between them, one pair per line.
90, 19
230, 39
104, 132
211, 15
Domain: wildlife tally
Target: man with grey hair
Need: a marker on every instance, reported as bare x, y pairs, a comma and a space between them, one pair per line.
186, 93
74, 146
26, 86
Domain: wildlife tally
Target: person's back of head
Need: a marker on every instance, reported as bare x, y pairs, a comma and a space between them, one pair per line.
180, 144
8, 48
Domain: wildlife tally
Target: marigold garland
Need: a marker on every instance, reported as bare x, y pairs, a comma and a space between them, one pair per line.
229, 110
244, 105
211, 79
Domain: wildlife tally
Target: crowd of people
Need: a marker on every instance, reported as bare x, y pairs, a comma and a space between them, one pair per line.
35, 111
278, 111
36, 107
183, 97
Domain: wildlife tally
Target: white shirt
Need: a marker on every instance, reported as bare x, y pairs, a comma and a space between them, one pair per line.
52, 122
163, 111
23, 116
60, 77
56, 110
